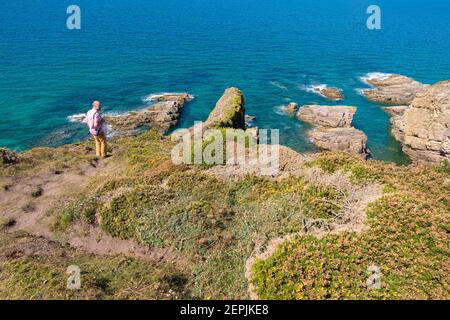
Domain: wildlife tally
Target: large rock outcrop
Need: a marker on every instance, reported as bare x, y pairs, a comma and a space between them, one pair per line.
327, 116
229, 111
349, 140
424, 127
334, 129
161, 116
392, 89
241, 151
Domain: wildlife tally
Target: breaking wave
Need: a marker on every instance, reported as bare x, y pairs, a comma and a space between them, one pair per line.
156, 96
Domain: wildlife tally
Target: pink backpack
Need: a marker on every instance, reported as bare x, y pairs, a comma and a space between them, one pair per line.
92, 130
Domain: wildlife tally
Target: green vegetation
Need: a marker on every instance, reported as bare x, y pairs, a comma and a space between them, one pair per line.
217, 140
212, 226
234, 110
48, 159
211, 223
32, 268
407, 239
359, 172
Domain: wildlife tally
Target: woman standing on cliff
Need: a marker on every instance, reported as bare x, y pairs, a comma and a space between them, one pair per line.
97, 129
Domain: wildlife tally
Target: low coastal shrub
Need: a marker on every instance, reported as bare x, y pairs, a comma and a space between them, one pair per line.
213, 224
218, 144
83, 209
8, 157
360, 172
44, 276
407, 239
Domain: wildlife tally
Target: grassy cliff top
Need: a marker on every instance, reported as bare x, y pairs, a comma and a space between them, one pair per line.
140, 227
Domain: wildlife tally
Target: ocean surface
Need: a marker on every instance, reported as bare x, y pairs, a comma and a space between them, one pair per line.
273, 50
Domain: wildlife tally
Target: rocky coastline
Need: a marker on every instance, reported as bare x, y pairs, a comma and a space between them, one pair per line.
423, 127
392, 89
161, 116
137, 213
420, 121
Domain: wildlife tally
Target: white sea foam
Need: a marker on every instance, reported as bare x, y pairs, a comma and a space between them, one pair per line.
280, 110
80, 117
279, 85
156, 96
374, 75
361, 91
110, 133
371, 76
249, 121
314, 88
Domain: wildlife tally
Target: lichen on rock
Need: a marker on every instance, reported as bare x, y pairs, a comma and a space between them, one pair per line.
229, 111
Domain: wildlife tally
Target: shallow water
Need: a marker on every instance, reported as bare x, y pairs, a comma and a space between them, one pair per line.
270, 49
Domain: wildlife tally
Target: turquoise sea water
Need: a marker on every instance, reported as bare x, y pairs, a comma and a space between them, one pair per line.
127, 50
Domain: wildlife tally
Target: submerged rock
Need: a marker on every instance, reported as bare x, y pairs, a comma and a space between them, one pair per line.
346, 139
424, 127
291, 109
229, 111
161, 116
330, 93
392, 89
327, 116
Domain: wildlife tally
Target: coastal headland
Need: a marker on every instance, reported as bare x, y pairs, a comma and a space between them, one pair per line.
140, 227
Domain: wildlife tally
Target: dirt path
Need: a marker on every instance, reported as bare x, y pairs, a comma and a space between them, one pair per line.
26, 200
25, 204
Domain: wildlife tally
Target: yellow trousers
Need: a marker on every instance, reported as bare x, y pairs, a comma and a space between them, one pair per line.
100, 145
